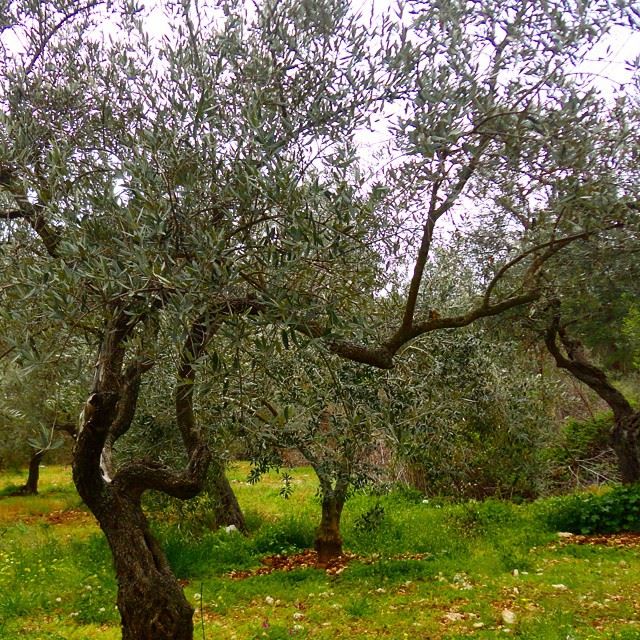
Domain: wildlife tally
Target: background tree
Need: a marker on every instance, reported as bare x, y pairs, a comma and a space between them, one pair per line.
569, 354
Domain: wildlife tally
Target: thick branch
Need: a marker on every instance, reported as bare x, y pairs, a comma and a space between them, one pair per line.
128, 399
576, 363
138, 477
421, 259
100, 411
32, 214
434, 213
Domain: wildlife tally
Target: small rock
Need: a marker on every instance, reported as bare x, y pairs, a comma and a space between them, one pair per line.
478, 625
269, 600
565, 534
454, 616
298, 616
231, 528
515, 573
560, 587
508, 616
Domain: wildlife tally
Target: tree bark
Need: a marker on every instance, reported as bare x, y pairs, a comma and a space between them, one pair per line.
624, 441
624, 436
30, 488
227, 511
328, 541
151, 602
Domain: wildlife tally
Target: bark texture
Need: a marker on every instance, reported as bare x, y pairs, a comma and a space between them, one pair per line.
151, 602
30, 488
328, 541
569, 354
227, 509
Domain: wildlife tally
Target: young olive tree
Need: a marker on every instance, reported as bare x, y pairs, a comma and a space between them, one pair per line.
170, 183
326, 410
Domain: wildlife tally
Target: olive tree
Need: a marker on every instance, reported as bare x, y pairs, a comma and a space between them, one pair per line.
326, 410
156, 185
159, 187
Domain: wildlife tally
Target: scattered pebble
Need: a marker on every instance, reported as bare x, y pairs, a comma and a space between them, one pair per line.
508, 616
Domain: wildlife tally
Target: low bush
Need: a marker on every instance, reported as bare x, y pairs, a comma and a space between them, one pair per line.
614, 511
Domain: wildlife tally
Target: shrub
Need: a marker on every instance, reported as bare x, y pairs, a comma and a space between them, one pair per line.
615, 511
583, 455
370, 520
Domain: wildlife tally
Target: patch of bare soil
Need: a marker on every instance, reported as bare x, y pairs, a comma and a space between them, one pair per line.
309, 559
67, 516
305, 560
618, 540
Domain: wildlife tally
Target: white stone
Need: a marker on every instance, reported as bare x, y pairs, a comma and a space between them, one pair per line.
508, 616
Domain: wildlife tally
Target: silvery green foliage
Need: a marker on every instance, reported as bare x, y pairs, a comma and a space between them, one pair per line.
471, 414
190, 168
161, 175
326, 409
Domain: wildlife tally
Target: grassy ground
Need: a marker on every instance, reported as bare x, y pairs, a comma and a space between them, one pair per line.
427, 570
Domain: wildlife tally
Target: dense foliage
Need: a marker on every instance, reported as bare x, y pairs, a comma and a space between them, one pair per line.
174, 201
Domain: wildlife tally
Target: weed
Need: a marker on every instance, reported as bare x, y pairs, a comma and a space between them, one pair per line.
370, 520
613, 511
359, 608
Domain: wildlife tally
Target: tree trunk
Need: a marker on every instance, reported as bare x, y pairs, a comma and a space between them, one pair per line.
227, 511
151, 602
30, 488
624, 441
328, 542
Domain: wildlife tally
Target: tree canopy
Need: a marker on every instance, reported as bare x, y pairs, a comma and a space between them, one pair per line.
158, 192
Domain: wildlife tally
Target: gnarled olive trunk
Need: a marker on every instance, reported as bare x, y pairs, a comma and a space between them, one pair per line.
151, 602
328, 541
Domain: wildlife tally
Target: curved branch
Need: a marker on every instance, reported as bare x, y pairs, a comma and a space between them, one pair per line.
138, 477
574, 361
552, 246
33, 215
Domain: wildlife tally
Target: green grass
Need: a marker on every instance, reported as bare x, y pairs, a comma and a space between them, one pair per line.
476, 560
